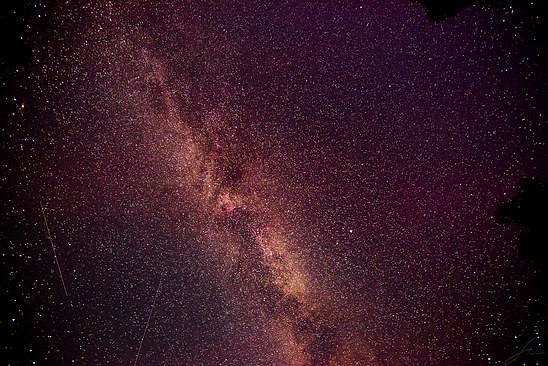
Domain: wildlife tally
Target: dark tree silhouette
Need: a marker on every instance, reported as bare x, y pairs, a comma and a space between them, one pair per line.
529, 209
440, 10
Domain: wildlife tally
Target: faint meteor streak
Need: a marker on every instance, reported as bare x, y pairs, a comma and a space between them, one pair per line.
53, 247
148, 322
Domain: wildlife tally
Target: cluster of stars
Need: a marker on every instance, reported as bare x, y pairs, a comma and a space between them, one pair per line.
300, 184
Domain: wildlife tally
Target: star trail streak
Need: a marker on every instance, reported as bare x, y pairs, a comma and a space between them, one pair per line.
268, 183
148, 322
53, 249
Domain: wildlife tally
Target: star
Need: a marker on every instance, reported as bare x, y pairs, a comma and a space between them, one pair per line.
256, 184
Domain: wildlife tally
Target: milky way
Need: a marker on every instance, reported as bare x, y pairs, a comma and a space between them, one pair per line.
246, 183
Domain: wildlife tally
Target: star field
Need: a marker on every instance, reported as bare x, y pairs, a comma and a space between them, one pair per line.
255, 183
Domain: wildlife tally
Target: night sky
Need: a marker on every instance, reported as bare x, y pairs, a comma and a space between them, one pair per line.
267, 183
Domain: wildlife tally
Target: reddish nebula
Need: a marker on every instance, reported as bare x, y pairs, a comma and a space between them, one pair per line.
310, 183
